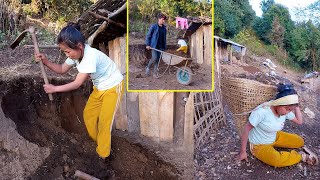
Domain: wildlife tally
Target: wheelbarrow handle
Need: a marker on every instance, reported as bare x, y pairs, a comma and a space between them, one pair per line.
170, 54
37, 51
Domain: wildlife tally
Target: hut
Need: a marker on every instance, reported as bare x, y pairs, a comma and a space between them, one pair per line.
224, 48
200, 36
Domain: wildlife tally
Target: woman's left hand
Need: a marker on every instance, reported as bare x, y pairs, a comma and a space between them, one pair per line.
49, 88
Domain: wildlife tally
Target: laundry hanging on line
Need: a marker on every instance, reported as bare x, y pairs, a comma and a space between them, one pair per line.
182, 23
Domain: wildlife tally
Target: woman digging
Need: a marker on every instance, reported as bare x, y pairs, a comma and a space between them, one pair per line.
107, 84
264, 132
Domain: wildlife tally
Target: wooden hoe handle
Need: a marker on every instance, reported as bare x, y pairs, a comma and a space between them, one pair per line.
37, 51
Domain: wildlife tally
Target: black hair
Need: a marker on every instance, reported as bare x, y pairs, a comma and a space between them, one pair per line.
71, 36
285, 90
161, 15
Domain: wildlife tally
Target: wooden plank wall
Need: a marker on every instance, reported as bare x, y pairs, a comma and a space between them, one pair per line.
201, 45
193, 50
188, 142
117, 52
156, 115
208, 39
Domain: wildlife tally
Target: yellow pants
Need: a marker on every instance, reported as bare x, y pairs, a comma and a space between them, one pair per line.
267, 154
99, 115
183, 48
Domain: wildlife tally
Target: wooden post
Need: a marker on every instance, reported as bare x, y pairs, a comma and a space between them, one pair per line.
230, 54
217, 64
243, 52
188, 142
179, 117
133, 112
199, 45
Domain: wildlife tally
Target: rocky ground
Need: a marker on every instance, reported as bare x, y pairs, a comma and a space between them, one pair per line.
216, 159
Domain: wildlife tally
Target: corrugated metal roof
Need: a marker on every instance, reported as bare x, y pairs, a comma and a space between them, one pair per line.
228, 41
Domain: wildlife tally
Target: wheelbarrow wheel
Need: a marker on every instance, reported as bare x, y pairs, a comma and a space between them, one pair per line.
184, 76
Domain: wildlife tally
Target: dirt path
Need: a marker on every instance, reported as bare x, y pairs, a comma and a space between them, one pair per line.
201, 81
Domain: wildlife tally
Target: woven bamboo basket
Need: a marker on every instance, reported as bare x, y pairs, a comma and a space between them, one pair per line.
243, 95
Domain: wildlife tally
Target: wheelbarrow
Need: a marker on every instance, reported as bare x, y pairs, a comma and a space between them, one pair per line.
184, 73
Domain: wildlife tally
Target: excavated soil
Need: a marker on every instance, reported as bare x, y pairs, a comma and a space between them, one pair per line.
59, 126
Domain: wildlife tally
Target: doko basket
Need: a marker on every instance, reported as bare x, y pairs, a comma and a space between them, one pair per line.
243, 95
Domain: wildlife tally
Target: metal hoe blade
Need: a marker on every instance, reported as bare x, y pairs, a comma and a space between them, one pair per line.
17, 41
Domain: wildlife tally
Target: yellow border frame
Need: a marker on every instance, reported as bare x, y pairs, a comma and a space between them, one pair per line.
127, 59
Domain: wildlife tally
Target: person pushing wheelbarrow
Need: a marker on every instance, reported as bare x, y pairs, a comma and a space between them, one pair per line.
156, 39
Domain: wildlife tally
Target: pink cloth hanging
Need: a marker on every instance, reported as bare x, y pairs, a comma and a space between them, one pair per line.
182, 23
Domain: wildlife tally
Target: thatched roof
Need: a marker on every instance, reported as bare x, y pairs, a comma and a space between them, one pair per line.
115, 10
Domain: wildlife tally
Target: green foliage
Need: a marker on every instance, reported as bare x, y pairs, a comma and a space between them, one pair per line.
139, 26
305, 45
263, 25
46, 37
147, 10
266, 5
248, 38
67, 9
3, 40
277, 33
232, 16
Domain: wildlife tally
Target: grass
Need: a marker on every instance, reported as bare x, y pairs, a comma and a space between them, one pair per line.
249, 39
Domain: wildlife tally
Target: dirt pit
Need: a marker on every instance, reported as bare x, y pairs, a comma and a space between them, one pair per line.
59, 126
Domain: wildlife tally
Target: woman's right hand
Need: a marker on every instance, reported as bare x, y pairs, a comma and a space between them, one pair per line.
41, 57
242, 156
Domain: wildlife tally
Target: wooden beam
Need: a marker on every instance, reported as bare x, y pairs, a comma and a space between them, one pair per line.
84, 176
95, 34
42, 46
123, 7
95, 15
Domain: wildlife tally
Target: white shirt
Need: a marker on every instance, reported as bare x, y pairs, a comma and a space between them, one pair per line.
182, 42
266, 125
103, 71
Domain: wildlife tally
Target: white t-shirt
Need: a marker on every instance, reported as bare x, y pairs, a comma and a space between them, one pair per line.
266, 125
103, 71
182, 42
